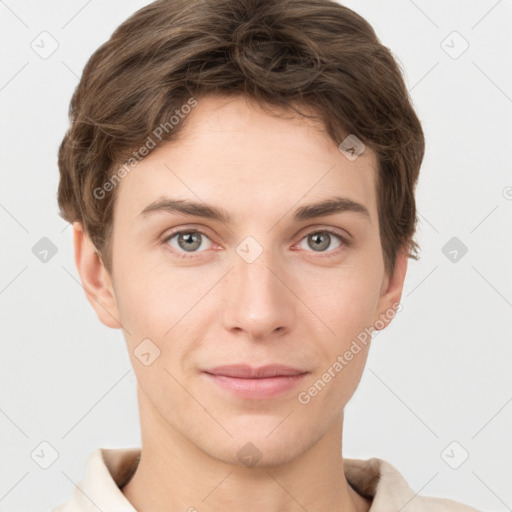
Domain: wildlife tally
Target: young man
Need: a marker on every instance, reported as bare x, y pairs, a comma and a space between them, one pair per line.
240, 177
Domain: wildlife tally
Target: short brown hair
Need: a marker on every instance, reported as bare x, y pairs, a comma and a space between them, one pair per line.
283, 53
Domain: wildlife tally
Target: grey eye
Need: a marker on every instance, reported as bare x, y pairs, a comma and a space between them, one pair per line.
188, 241
320, 241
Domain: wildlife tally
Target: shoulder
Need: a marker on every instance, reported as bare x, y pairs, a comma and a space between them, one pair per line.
425, 503
381, 482
99, 490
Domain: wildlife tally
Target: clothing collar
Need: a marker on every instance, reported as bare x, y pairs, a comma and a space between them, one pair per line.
108, 470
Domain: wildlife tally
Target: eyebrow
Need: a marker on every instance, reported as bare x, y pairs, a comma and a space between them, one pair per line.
310, 211
330, 207
186, 207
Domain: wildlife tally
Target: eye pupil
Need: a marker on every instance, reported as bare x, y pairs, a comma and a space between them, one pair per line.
321, 241
187, 238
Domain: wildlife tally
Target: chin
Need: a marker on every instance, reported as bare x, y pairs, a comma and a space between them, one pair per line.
260, 444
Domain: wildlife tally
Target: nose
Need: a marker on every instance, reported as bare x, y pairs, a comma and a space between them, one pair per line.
259, 299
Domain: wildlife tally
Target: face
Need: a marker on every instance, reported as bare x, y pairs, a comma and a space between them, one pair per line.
271, 281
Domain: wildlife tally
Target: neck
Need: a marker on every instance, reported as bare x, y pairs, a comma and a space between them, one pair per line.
174, 474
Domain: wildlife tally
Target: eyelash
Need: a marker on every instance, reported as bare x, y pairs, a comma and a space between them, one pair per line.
343, 239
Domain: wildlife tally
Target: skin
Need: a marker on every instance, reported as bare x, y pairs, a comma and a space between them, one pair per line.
293, 305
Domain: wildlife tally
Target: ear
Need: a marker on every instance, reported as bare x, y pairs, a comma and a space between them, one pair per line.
95, 278
391, 292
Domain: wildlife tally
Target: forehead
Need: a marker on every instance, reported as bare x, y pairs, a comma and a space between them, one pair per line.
232, 154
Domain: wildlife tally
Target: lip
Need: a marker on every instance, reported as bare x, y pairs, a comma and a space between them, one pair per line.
259, 383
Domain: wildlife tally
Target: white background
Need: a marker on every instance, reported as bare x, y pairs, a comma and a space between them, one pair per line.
439, 373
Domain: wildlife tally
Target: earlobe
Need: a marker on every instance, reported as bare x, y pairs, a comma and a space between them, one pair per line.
95, 279
391, 293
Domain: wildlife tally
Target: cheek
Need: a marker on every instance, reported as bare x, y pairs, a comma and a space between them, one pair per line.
346, 301
327, 392
144, 304
164, 305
